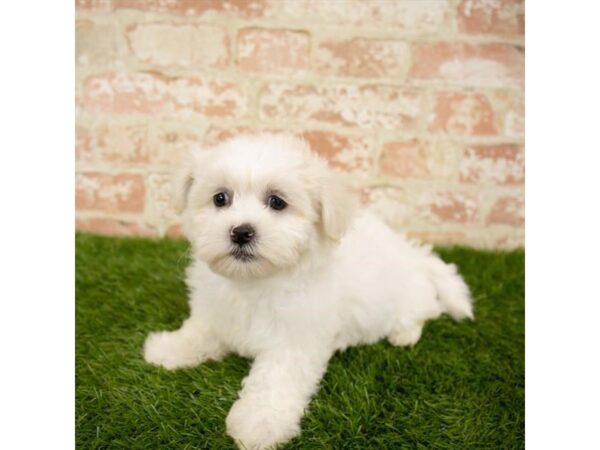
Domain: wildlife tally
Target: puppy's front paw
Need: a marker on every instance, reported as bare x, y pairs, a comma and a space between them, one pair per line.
170, 350
255, 426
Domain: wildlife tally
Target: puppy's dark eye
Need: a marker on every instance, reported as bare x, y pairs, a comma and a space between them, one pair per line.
221, 199
276, 203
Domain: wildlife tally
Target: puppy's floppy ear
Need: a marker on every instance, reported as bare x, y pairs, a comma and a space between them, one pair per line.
182, 181
338, 205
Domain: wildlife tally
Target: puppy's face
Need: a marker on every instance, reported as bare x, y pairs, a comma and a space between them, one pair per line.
257, 205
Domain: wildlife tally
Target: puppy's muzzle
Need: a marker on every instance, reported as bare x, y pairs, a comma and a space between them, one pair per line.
242, 234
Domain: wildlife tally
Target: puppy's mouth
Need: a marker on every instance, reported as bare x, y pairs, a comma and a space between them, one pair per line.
243, 254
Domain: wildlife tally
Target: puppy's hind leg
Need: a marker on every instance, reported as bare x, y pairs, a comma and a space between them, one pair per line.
419, 305
187, 347
404, 336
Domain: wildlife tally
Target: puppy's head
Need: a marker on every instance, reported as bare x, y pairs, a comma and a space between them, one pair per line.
257, 205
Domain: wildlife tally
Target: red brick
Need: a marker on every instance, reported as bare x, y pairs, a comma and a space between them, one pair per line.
154, 93
369, 107
268, 50
121, 144
97, 44
134, 144
216, 135
499, 164
468, 64
178, 44
404, 159
175, 231
413, 15
463, 113
83, 146
346, 153
438, 237
113, 227
78, 99
507, 210
349, 154
159, 211
110, 193
243, 8
363, 58
449, 206
94, 5
501, 17
511, 239
510, 110
168, 142
388, 202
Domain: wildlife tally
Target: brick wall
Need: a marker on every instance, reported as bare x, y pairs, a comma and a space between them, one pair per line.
420, 102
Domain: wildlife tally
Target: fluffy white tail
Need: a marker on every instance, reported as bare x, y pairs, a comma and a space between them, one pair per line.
453, 292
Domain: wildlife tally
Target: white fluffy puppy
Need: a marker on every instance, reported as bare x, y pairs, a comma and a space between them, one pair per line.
286, 272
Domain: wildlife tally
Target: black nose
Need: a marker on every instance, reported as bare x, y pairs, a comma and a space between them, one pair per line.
242, 234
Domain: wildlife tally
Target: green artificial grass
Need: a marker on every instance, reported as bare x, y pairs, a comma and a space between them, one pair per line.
460, 387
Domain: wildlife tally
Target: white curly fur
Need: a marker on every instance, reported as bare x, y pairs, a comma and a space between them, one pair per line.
324, 276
